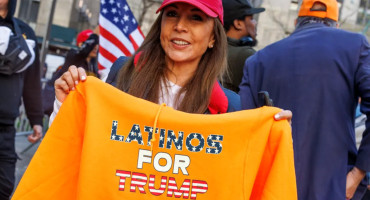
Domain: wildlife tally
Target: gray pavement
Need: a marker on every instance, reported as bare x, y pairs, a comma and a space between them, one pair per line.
21, 143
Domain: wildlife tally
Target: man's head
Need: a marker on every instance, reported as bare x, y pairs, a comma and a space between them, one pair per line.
324, 11
3, 8
238, 18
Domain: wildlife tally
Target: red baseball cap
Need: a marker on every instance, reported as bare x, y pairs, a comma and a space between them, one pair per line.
331, 11
212, 8
83, 35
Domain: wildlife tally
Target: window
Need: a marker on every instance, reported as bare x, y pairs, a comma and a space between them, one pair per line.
29, 10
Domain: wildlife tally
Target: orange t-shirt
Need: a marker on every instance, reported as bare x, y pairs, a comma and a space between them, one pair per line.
102, 146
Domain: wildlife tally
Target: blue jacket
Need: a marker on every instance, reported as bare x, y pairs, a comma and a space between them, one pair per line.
222, 97
318, 73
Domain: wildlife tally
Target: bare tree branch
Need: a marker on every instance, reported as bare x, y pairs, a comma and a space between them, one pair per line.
274, 18
146, 5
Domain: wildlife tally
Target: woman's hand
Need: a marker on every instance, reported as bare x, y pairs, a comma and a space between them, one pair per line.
285, 114
68, 82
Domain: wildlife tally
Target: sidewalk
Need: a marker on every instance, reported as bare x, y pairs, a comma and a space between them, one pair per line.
22, 143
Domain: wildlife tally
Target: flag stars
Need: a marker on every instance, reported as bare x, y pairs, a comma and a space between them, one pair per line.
111, 2
125, 8
114, 123
132, 133
113, 137
121, 138
218, 138
125, 29
136, 127
116, 19
118, 4
133, 21
179, 147
126, 17
102, 2
105, 11
208, 150
114, 10
161, 138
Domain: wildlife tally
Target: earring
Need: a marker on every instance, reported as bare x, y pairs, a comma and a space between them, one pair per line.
210, 46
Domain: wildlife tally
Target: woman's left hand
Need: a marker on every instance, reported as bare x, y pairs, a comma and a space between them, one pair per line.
285, 114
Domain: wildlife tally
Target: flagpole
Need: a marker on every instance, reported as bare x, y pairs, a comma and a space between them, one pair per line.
45, 40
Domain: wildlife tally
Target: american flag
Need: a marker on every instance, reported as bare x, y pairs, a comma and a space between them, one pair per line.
120, 35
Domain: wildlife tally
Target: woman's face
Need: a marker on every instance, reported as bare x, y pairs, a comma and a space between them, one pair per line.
186, 33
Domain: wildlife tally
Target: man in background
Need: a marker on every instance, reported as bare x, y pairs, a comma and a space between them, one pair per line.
19, 77
241, 31
318, 72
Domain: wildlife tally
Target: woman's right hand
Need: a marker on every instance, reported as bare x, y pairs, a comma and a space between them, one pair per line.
68, 82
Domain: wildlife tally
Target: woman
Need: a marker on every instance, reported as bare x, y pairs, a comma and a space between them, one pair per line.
179, 62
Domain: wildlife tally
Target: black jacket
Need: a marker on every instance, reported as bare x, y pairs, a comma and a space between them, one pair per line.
25, 84
78, 58
237, 53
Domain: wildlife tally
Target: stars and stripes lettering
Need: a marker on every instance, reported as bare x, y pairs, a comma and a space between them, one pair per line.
162, 135
142, 184
114, 135
178, 141
122, 178
162, 187
198, 187
138, 180
120, 34
173, 190
194, 142
214, 141
195, 136
135, 135
189, 188
149, 130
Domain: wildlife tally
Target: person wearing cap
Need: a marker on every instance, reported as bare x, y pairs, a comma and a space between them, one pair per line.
85, 56
241, 31
318, 72
178, 63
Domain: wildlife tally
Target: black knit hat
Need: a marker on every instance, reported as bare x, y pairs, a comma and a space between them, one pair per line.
235, 9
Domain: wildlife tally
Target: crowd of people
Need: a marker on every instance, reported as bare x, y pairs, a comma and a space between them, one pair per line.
198, 48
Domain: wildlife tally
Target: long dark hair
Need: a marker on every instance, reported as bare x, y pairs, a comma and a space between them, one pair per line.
144, 79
